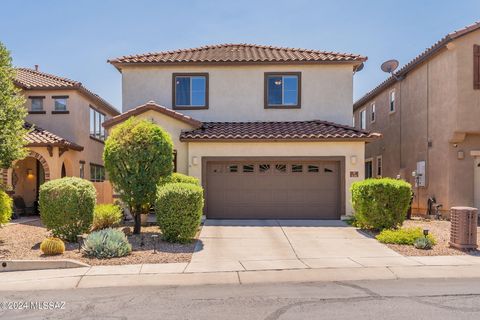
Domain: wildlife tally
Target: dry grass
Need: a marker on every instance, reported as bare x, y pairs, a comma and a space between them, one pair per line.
22, 241
441, 231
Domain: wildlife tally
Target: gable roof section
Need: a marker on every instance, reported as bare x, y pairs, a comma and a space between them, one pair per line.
29, 79
38, 137
238, 53
425, 55
151, 105
270, 131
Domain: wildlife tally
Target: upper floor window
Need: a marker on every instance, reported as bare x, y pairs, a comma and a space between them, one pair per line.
36, 103
60, 103
190, 91
372, 113
392, 101
96, 119
363, 119
282, 89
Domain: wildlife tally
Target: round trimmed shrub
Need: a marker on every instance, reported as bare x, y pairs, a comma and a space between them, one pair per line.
66, 206
380, 203
179, 211
107, 243
5, 207
179, 178
106, 216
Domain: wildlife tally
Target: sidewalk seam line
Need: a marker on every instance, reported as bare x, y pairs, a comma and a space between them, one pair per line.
288, 239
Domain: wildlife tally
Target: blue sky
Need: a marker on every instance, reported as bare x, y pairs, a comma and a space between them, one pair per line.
75, 38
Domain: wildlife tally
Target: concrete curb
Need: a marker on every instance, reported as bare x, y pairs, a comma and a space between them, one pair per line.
27, 265
82, 278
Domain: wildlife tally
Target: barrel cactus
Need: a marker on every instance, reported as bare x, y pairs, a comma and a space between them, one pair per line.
52, 246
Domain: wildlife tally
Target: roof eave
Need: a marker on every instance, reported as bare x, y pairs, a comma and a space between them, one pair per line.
75, 147
120, 65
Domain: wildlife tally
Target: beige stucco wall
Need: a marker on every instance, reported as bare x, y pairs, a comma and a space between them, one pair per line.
174, 127
199, 150
236, 93
435, 102
74, 126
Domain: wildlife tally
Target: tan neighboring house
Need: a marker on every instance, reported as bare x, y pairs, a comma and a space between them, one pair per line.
67, 139
429, 117
267, 130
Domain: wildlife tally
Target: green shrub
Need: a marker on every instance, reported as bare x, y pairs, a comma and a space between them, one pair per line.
107, 243
179, 178
403, 236
66, 206
179, 211
106, 216
380, 203
423, 243
5, 207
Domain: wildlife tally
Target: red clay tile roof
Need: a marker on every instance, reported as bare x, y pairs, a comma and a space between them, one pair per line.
151, 105
30, 79
294, 130
238, 53
429, 52
39, 137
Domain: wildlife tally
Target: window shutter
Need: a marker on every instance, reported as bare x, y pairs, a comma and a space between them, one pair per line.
476, 66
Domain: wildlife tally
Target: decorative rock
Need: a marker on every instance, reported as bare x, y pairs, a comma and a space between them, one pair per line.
127, 231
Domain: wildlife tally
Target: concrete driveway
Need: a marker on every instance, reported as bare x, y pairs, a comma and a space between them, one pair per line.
235, 245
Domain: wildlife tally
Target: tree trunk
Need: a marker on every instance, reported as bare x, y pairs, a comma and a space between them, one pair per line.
138, 222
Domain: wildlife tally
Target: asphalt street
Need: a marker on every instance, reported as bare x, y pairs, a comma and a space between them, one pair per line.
388, 299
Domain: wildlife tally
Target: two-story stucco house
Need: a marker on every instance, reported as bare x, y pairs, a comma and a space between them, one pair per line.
267, 130
67, 139
429, 116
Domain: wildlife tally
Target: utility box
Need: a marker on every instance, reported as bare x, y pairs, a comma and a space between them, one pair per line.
463, 233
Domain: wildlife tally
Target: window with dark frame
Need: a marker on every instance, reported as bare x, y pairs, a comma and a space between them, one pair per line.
97, 131
282, 90
368, 169
36, 103
97, 173
60, 103
190, 90
392, 100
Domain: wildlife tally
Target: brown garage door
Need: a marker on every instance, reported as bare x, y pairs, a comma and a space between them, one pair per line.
273, 189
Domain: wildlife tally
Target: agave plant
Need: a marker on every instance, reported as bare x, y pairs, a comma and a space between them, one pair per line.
107, 243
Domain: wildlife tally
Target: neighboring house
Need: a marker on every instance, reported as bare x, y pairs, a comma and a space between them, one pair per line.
429, 116
266, 129
67, 139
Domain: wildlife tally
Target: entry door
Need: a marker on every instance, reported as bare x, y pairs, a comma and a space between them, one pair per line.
273, 189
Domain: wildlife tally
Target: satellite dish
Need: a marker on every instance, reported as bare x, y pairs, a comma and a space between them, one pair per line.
389, 66
359, 67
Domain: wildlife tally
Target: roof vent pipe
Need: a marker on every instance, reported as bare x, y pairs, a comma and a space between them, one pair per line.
36, 67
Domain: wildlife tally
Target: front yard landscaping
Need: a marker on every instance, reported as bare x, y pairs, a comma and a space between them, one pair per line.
440, 229
21, 241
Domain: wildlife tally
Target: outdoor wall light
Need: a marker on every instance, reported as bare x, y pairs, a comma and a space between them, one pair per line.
29, 173
353, 160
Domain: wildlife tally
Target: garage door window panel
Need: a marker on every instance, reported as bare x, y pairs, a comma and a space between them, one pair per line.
297, 168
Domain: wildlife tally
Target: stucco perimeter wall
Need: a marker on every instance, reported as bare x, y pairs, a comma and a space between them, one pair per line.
283, 149
236, 93
174, 128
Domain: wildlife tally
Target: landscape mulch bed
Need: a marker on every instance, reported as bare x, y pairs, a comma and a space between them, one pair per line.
441, 230
22, 242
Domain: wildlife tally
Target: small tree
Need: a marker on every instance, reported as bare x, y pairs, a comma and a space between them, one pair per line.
12, 113
137, 154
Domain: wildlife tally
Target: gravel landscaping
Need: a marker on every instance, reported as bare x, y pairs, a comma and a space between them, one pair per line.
441, 231
21, 241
